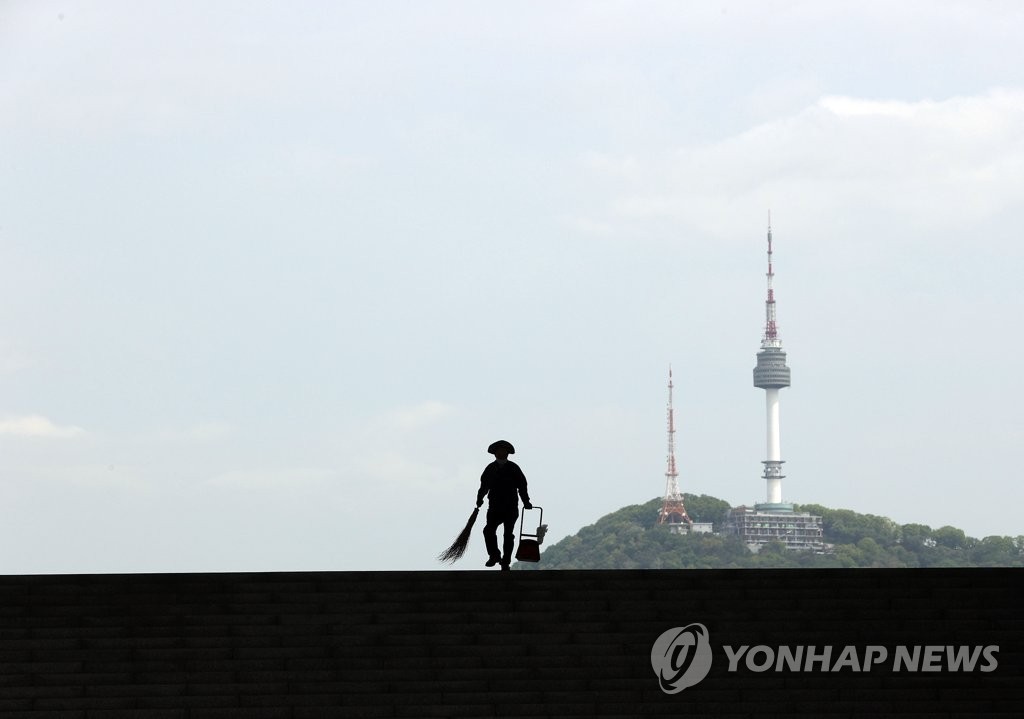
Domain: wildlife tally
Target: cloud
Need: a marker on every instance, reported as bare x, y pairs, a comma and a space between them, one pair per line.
626, 167
587, 227
205, 431
935, 163
285, 477
419, 416
393, 469
155, 71
12, 360
38, 426
407, 447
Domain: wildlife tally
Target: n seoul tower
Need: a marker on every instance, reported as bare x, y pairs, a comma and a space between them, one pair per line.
771, 374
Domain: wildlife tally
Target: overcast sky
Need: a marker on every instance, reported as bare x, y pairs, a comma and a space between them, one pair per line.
274, 275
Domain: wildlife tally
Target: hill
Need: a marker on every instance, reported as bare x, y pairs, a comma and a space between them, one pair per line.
629, 539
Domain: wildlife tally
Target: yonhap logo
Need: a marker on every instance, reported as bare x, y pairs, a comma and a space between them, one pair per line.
681, 657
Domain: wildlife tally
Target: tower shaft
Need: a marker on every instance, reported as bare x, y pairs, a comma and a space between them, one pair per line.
773, 464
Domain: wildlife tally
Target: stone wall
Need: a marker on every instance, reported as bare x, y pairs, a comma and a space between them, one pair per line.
527, 644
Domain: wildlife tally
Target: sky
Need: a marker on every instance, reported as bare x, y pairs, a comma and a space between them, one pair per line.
274, 275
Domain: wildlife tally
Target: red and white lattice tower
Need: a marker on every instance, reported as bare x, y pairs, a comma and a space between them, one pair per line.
673, 511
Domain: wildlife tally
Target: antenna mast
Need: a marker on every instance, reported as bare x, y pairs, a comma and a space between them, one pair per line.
771, 332
673, 511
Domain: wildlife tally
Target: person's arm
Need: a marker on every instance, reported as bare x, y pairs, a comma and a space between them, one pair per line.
484, 487
523, 492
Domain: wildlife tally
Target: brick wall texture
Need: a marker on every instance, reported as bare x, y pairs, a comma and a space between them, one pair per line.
509, 644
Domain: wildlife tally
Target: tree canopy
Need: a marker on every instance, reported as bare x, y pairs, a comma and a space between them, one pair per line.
630, 539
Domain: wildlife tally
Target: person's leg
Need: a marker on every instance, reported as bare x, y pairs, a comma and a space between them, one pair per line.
510, 539
491, 538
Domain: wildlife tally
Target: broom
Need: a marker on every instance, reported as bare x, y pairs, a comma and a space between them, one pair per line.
458, 547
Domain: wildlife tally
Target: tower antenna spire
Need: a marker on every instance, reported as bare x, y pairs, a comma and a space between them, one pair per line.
771, 331
673, 511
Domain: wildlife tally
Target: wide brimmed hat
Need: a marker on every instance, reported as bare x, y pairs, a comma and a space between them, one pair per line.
501, 446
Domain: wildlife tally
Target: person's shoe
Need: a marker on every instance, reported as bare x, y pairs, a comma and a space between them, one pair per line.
504, 567
492, 561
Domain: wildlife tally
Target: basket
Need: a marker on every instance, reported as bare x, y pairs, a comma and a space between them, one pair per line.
529, 544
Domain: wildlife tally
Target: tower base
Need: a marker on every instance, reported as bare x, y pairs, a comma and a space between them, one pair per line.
673, 513
775, 522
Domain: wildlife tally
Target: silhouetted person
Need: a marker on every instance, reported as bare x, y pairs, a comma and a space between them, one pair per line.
502, 482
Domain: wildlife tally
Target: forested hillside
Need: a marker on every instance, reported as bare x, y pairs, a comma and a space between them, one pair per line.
630, 539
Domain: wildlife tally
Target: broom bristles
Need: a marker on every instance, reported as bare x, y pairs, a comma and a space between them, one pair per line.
458, 547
